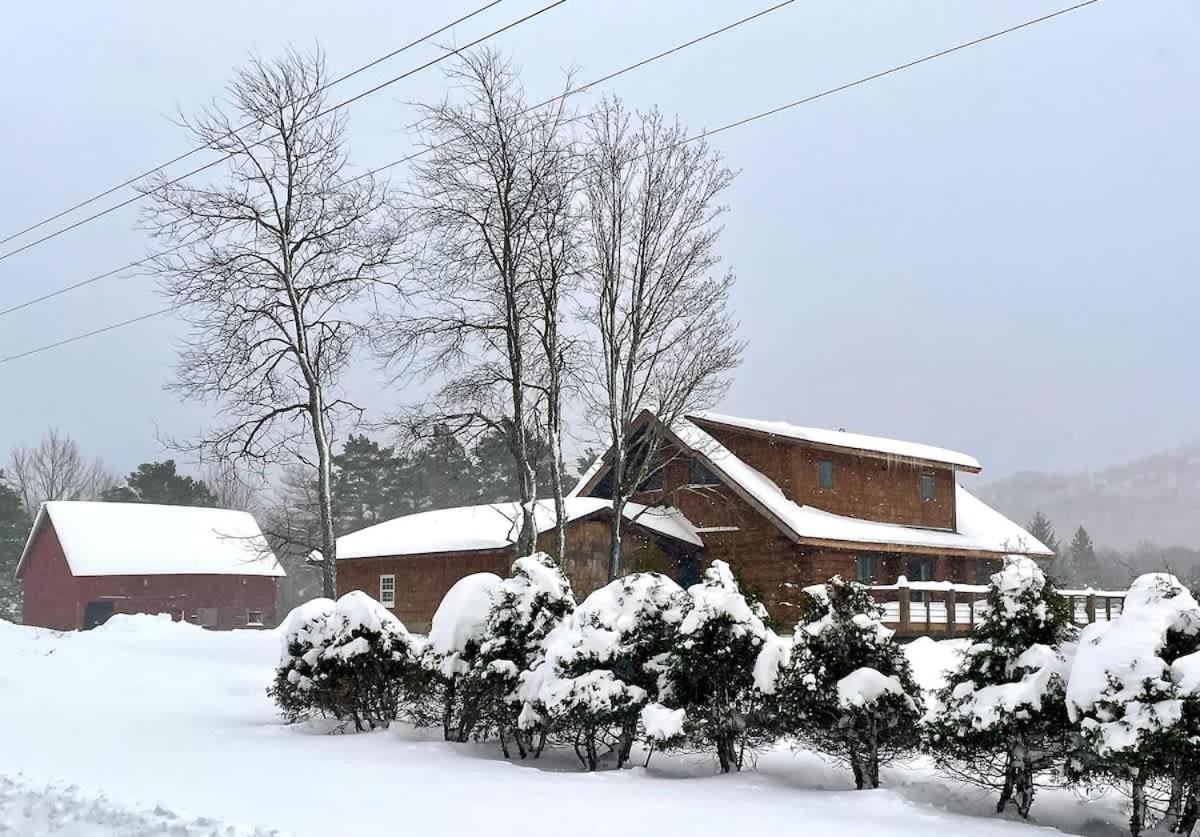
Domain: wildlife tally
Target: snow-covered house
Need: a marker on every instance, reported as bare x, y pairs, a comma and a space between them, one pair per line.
787, 505
410, 562
85, 561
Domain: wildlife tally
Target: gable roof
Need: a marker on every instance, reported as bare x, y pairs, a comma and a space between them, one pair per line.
855, 442
981, 528
493, 526
101, 539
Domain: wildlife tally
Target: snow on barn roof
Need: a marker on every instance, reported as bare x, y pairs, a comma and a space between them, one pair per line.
146, 539
842, 439
492, 526
980, 527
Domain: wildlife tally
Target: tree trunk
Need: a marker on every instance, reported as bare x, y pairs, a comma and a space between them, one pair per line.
325, 498
1191, 809
1006, 790
625, 743
1024, 789
1137, 817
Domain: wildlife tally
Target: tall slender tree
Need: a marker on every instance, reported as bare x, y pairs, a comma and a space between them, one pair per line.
268, 265
1085, 569
664, 338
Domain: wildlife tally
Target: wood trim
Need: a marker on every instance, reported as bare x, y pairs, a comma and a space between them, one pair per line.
914, 549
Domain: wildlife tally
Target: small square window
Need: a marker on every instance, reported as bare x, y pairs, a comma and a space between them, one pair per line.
254, 618
928, 487
698, 474
866, 569
825, 473
387, 590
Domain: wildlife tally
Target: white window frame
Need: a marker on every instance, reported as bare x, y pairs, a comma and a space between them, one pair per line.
387, 596
252, 622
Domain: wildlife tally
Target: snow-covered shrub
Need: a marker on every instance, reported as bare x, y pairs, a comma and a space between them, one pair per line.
599, 669
1134, 690
350, 659
1001, 719
844, 688
458, 628
527, 607
710, 674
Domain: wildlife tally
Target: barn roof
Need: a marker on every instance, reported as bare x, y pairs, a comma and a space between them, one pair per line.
146, 539
980, 528
493, 526
856, 442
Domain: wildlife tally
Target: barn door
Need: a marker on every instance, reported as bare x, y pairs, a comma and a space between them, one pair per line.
96, 613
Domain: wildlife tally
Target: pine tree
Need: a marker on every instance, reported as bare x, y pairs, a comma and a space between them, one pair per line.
710, 672
600, 667
496, 467
1042, 529
159, 482
846, 688
14, 528
528, 605
1001, 718
1085, 569
371, 484
1134, 693
443, 475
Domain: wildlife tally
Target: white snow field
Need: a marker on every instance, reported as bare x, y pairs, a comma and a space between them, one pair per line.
145, 727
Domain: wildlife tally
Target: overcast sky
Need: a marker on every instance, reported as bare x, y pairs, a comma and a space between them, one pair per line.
995, 252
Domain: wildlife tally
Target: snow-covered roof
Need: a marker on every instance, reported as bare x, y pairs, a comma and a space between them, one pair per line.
147, 539
842, 439
493, 526
980, 527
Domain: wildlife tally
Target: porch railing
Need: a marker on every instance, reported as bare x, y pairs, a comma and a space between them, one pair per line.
946, 609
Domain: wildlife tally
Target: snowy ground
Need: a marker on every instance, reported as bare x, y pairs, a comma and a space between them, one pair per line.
144, 727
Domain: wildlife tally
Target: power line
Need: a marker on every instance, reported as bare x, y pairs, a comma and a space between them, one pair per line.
324, 112
726, 127
238, 130
572, 92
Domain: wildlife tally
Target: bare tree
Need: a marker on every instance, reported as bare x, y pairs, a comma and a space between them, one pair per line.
56, 470
492, 174
269, 266
664, 338
232, 488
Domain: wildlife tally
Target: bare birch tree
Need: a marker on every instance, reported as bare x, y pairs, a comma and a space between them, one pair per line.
664, 337
487, 182
54, 469
272, 263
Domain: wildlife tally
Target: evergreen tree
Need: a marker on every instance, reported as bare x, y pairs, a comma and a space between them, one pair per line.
14, 529
370, 484
846, 688
496, 467
600, 667
1001, 719
1042, 529
158, 482
442, 474
1134, 694
1084, 568
527, 606
710, 672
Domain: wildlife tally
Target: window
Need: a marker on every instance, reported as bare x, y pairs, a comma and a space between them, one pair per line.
866, 569
387, 590
698, 474
984, 571
825, 473
254, 619
653, 481
919, 569
927, 487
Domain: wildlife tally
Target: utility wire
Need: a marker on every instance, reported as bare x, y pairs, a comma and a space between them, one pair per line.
573, 91
238, 130
728, 126
324, 112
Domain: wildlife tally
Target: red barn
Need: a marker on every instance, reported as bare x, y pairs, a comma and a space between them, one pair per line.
85, 561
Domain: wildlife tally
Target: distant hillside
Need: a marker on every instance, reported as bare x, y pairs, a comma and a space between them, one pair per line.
1153, 499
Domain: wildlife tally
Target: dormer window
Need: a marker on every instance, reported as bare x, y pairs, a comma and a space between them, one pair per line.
698, 474
928, 487
825, 473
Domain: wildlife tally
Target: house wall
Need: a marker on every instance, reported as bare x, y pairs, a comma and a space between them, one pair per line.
53, 598
886, 490
422, 580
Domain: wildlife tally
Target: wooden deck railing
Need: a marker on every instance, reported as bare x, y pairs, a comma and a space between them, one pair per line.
945, 609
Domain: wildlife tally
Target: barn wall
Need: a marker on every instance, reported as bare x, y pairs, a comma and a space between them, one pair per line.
53, 598
49, 593
422, 580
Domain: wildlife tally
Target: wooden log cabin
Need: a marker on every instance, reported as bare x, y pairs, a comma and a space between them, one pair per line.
789, 506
